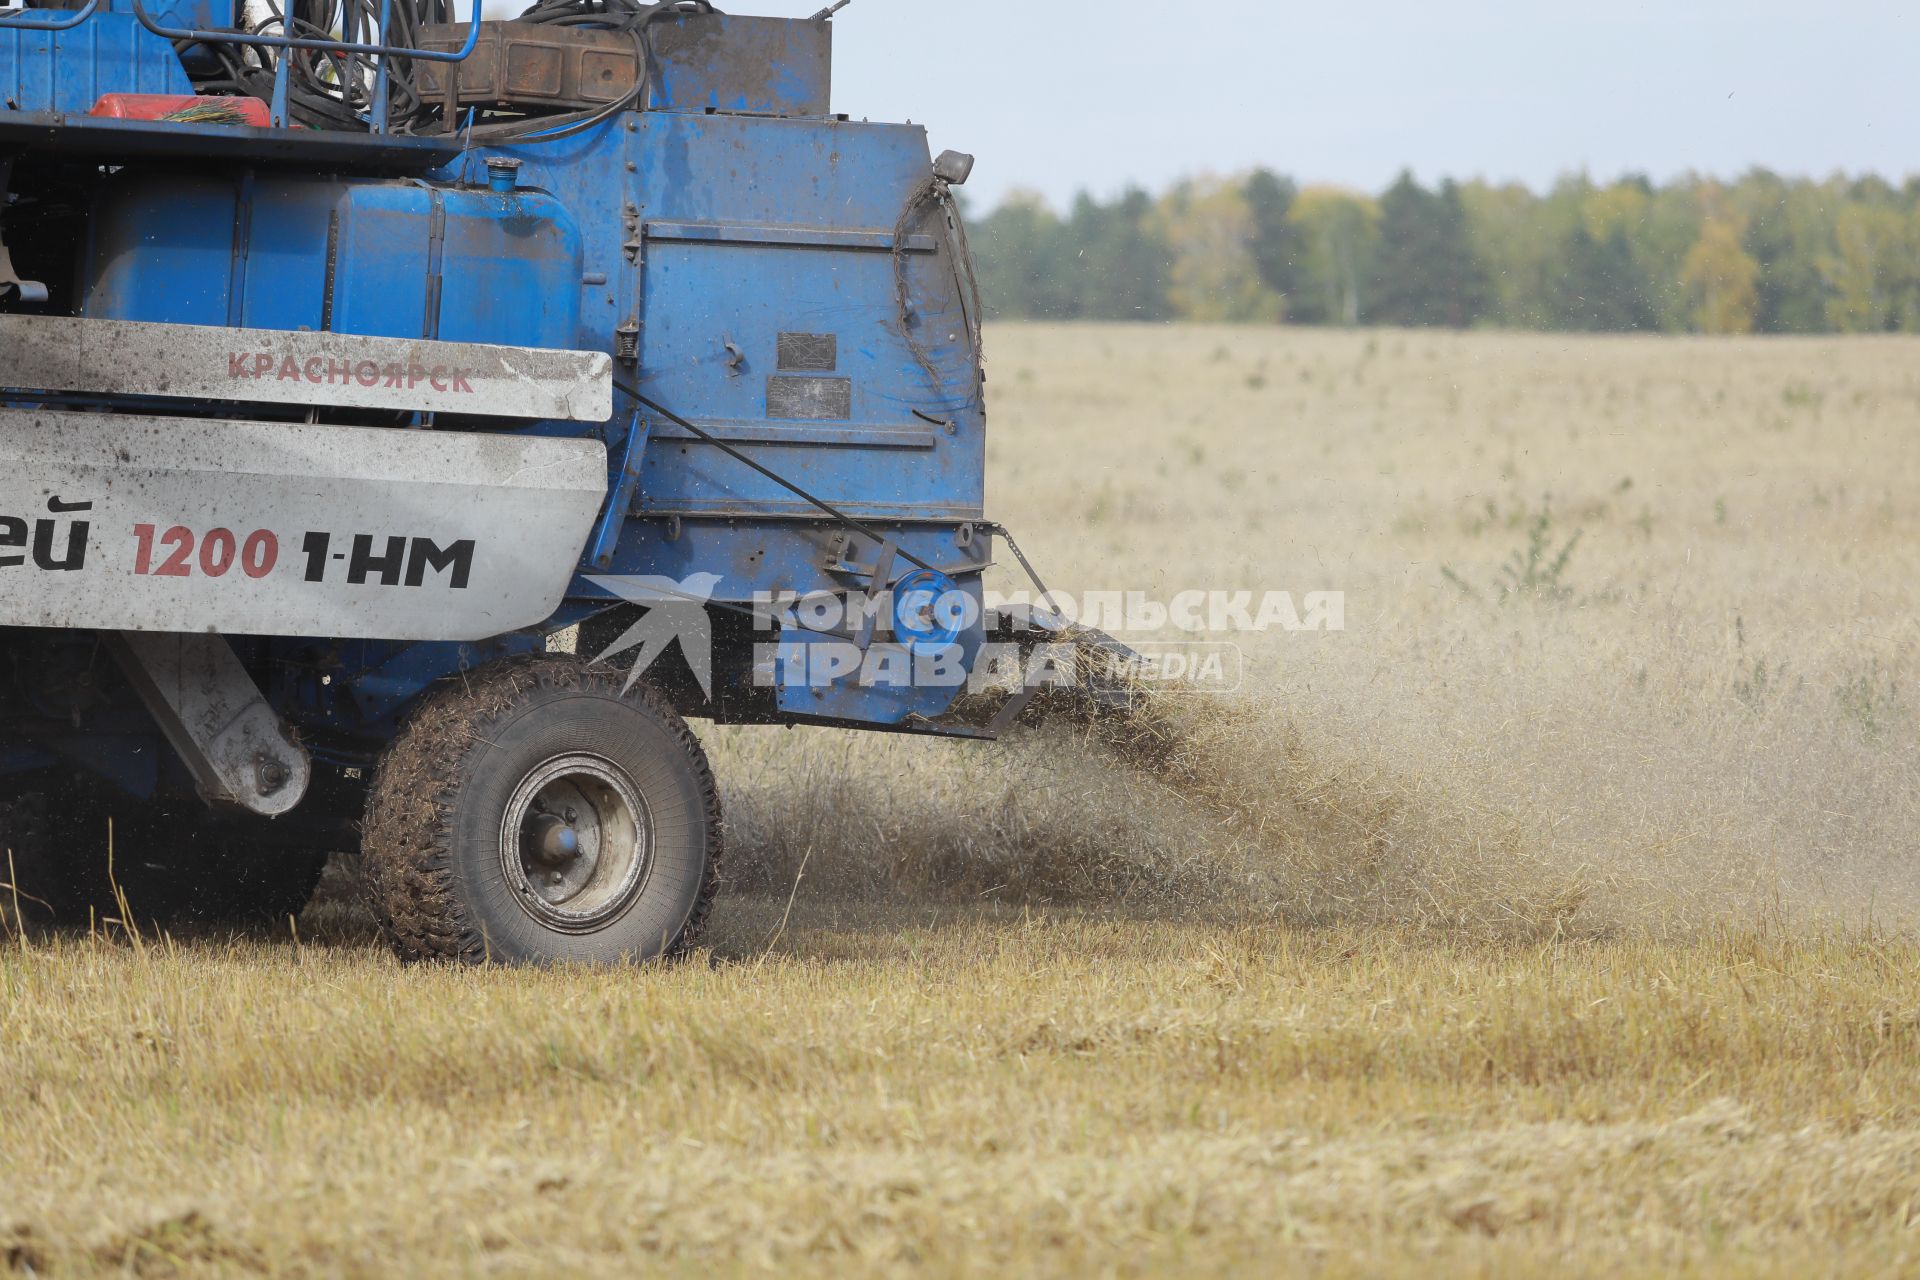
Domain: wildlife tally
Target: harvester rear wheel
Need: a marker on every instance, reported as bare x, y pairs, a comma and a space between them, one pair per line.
532, 813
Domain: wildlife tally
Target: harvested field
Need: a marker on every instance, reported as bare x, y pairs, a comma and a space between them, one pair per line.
1559, 912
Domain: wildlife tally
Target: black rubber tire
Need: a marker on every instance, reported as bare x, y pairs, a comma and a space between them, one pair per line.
431, 843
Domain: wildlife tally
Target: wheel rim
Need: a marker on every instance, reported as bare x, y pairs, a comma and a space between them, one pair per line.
576, 843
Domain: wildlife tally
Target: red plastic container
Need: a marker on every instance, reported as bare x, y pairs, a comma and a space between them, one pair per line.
185, 108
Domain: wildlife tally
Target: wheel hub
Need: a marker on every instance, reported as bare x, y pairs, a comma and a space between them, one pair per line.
575, 842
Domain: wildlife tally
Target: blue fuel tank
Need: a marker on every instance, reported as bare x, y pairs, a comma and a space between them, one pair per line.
394, 259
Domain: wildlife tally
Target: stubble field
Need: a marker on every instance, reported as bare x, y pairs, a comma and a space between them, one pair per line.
1559, 912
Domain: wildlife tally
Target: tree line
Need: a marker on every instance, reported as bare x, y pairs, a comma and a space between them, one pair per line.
1763, 254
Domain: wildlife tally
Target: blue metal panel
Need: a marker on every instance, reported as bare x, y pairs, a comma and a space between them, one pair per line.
586, 176
198, 14
883, 693
285, 273
382, 680
757, 559
506, 268
69, 70
769, 555
511, 270
718, 235
410, 261
161, 249
804, 173
758, 66
760, 228
385, 239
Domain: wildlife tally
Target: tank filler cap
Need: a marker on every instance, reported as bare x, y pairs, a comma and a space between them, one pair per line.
503, 173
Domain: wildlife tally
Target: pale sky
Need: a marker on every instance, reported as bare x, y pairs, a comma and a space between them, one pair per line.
1056, 95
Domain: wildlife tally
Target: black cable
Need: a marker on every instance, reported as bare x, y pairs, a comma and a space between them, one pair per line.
333, 89
615, 15
845, 519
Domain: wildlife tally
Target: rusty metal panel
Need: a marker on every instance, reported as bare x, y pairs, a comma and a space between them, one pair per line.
270, 366
703, 62
528, 64
752, 66
120, 522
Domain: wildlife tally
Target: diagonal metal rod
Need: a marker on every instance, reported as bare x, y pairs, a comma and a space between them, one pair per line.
845, 519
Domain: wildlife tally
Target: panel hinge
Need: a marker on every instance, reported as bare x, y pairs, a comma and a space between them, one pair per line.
630, 231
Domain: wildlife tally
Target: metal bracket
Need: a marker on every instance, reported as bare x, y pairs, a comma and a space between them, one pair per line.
840, 552
879, 576
837, 563
211, 711
10, 281
630, 231
606, 534
878, 584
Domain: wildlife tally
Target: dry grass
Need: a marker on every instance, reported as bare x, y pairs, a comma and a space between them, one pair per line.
977, 1090
1571, 932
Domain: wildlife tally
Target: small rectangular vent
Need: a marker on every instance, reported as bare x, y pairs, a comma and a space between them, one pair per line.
809, 352
810, 399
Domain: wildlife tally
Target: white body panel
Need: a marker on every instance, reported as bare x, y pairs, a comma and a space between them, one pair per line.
272, 366
274, 529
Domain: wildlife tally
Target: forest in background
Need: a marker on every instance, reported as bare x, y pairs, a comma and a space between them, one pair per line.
1763, 254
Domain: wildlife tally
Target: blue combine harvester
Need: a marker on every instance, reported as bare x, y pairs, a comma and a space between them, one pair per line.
366, 376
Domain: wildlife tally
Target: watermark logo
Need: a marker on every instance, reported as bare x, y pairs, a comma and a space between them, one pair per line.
676, 609
1198, 666
915, 636
1117, 613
